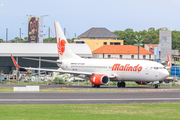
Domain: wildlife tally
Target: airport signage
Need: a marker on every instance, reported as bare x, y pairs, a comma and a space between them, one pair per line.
32, 29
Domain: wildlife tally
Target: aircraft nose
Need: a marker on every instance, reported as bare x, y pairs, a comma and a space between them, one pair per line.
165, 74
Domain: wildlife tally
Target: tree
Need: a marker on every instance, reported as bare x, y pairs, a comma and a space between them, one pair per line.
53, 40
138, 41
49, 40
1, 40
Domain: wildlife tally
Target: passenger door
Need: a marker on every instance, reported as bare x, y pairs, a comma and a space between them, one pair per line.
147, 69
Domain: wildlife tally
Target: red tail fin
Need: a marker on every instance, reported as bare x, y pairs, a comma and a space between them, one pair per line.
168, 61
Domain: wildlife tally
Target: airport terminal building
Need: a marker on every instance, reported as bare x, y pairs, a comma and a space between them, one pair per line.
35, 50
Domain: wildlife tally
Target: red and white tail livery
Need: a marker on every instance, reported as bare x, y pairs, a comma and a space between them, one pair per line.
168, 62
102, 71
64, 51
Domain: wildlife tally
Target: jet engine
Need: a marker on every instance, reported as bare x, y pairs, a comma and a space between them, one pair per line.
142, 83
99, 79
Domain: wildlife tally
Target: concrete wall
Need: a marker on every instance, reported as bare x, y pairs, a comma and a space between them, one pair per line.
26, 89
146, 47
165, 41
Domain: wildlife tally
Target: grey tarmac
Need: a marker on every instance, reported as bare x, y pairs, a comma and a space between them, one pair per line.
88, 97
89, 87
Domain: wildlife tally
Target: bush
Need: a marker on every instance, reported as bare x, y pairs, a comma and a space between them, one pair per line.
2, 82
58, 81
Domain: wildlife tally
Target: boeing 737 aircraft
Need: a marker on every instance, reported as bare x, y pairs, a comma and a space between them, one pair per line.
102, 71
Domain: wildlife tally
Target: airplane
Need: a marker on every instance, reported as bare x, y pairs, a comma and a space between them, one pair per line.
102, 71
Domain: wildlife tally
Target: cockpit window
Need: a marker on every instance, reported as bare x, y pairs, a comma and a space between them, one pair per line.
155, 68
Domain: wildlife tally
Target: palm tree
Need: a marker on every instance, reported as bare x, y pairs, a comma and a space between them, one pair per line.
138, 39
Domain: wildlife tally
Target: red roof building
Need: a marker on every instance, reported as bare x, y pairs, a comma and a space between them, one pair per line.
122, 52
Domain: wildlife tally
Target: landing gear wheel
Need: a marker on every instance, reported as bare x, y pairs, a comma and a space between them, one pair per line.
155, 85
93, 86
119, 84
123, 84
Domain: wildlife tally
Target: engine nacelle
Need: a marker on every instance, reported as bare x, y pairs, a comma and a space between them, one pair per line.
99, 79
142, 83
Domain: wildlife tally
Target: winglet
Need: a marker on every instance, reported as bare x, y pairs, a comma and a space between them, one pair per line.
14, 61
168, 60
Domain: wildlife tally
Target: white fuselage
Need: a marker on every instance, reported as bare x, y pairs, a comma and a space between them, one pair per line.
124, 70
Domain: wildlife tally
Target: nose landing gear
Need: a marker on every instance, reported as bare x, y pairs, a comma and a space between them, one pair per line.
155, 86
121, 84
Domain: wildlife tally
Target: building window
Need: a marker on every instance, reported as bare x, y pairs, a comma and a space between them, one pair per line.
144, 57
117, 43
103, 55
120, 56
132, 56
111, 43
93, 38
105, 43
109, 56
79, 42
150, 56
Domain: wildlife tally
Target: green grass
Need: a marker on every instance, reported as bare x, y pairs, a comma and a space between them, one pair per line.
164, 111
6, 90
26, 83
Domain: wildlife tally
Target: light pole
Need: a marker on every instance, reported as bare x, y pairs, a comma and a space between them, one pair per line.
48, 33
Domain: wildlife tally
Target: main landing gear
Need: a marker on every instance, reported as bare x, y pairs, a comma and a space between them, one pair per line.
95, 86
155, 86
121, 84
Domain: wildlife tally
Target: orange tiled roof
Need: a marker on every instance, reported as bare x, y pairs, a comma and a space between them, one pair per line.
152, 45
120, 49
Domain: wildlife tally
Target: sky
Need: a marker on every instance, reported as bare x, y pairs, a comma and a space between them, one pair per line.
77, 16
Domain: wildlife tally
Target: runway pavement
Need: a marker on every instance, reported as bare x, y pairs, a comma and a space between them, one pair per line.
89, 87
89, 98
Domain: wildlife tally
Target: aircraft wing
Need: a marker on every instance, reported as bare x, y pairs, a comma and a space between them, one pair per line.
51, 61
61, 71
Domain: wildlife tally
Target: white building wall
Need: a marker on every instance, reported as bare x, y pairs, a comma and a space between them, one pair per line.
100, 56
125, 56
146, 47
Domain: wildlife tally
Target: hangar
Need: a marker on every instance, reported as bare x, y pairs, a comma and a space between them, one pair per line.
35, 50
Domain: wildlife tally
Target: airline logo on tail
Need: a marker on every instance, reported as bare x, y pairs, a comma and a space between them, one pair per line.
61, 46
